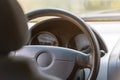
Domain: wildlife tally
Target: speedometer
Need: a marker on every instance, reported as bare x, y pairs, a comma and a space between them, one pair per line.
47, 38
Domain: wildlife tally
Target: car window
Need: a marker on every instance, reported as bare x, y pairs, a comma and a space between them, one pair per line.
76, 6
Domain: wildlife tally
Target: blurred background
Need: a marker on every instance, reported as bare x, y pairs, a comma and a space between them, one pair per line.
76, 6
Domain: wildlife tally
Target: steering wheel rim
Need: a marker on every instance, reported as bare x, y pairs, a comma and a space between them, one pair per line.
95, 54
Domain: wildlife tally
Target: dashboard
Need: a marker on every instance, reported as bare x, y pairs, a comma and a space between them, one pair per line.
109, 31
60, 32
63, 33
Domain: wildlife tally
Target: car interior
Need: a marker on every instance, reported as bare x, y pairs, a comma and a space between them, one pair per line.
63, 46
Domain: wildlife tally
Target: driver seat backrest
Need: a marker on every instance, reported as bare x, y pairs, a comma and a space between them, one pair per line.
14, 34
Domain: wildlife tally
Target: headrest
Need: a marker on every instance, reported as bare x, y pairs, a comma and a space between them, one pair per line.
13, 26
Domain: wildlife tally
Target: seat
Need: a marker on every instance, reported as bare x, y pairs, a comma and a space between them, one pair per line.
14, 35
114, 63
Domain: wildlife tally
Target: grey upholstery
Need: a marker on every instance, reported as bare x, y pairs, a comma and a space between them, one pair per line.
13, 35
114, 63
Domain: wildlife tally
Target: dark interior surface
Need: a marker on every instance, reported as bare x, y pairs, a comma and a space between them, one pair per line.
62, 33
13, 27
66, 33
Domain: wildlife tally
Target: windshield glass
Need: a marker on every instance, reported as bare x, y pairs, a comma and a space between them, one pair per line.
76, 6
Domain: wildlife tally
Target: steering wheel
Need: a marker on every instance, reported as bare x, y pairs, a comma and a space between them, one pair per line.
59, 61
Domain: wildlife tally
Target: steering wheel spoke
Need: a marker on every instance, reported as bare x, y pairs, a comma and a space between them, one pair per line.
50, 58
84, 60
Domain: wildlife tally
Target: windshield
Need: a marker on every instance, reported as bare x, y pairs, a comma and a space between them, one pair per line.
76, 6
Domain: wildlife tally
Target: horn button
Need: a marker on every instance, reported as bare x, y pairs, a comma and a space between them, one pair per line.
44, 59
